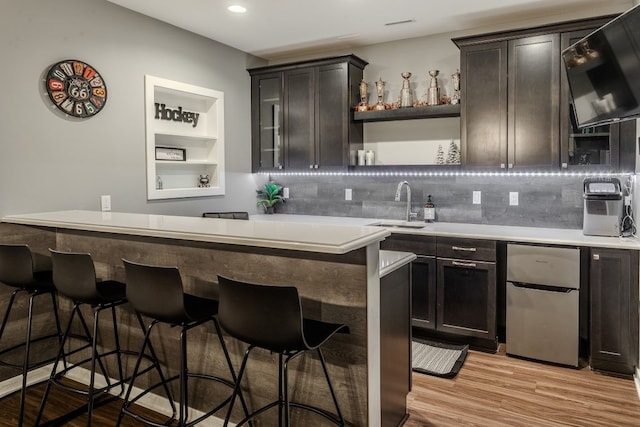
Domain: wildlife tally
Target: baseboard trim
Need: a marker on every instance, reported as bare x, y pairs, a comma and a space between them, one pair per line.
35, 376
150, 401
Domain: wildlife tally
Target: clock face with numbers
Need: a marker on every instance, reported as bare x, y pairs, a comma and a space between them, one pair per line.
76, 88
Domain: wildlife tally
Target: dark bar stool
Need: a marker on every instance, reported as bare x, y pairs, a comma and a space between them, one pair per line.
74, 277
270, 317
16, 270
157, 292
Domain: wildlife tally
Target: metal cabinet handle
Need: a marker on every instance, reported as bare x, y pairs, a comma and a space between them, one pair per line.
464, 264
459, 248
596, 257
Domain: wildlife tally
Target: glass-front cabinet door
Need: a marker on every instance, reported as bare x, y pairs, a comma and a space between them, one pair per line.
266, 93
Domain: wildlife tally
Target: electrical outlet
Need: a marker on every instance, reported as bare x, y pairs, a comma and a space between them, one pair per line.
105, 202
348, 194
285, 193
477, 197
513, 198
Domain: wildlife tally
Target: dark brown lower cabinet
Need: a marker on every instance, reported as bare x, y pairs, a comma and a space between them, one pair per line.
423, 273
395, 345
423, 292
613, 275
467, 298
454, 287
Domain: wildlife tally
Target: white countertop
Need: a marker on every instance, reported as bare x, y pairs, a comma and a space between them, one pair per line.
557, 236
315, 236
392, 260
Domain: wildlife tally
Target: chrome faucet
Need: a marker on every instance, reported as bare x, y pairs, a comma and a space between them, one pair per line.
409, 215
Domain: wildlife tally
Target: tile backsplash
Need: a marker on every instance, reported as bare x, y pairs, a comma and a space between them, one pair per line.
543, 201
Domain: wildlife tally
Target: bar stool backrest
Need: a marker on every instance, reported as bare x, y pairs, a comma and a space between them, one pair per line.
262, 315
155, 291
226, 215
74, 275
16, 265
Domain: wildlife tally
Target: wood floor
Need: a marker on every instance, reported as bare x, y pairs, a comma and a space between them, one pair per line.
494, 390
491, 390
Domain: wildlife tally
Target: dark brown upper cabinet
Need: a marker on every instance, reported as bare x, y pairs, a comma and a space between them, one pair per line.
302, 114
516, 110
483, 114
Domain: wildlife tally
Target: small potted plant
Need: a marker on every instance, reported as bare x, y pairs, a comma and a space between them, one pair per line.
270, 196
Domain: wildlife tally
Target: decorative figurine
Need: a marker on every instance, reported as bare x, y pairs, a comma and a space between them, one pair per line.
455, 78
203, 181
406, 96
589, 53
364, 88
433, 93
380, 92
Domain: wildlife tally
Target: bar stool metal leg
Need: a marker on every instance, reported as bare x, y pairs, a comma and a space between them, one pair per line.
136, 373
26, 365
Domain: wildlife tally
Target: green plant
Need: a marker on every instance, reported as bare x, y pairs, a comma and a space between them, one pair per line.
269, 195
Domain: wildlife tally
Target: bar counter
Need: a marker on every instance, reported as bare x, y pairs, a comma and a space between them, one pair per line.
336, 269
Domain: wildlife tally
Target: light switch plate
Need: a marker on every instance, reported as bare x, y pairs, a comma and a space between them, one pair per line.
513, 198
348, 194
477, 197
285, 193
105, 203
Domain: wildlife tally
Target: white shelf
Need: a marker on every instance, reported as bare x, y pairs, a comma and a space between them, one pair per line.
186, 162
203, 141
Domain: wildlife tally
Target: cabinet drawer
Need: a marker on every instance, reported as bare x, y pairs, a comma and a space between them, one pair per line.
461, 248
419, 245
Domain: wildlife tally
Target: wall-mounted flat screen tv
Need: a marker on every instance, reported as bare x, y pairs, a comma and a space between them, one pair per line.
603, 70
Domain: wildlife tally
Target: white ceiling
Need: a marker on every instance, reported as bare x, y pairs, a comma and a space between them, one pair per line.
279, 28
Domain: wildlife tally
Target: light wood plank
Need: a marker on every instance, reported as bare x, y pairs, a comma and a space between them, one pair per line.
496, 390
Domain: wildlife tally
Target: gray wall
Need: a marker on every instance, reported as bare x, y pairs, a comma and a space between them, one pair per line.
49, 162
554, 202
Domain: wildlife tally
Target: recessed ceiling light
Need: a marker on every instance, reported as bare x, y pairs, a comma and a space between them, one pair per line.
236, 8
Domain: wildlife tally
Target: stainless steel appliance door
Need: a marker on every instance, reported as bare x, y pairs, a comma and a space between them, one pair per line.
543, 265
542, 324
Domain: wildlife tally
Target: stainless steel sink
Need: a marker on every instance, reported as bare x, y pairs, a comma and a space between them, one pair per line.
399, 224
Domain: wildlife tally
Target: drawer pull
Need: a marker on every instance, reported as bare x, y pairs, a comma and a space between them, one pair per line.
464, 264
461, 249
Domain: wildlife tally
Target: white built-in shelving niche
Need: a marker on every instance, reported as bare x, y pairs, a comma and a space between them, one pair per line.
203, 144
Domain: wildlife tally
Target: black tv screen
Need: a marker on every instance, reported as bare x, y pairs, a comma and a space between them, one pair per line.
603, 70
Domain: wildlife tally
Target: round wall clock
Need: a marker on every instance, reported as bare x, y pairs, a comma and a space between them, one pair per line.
76, 88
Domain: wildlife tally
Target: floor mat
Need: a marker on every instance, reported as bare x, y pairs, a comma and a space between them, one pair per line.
439, 359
